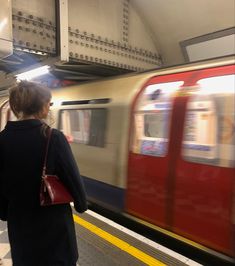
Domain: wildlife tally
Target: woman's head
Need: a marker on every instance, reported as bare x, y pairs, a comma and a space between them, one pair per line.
30, 99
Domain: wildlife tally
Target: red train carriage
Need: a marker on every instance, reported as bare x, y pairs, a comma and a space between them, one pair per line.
181, 160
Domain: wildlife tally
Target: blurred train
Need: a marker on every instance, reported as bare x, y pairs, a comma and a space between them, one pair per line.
158, 147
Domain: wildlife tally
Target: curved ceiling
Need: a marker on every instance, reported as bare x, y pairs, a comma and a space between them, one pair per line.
174, 21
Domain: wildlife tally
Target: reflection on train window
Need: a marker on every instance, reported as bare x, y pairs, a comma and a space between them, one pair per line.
152, 119
85, 126
154, 124
97, 127
209, 133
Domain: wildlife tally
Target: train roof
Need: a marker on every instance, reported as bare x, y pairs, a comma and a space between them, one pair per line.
124, 88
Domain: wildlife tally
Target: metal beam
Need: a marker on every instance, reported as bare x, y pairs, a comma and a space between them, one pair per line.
63, 22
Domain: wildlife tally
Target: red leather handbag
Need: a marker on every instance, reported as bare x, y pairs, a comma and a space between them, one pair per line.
52, 189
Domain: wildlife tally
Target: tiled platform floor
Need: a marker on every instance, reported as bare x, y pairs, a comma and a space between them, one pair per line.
95, 250
5, 254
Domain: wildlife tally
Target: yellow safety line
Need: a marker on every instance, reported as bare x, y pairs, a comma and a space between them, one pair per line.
119, 243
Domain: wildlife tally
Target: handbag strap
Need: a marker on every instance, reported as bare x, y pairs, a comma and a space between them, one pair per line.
46, 152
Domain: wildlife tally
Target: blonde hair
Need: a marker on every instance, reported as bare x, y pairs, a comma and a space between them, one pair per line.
28, 98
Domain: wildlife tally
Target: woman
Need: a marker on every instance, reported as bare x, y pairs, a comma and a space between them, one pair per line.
38, 235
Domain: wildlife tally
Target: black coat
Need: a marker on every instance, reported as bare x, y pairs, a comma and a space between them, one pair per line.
38, 235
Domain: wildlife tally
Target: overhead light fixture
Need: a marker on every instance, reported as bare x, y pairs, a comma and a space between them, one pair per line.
28, 75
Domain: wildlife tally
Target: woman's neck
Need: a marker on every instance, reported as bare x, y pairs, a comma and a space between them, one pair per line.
27, 117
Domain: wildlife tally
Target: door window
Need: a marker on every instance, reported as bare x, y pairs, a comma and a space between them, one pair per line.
209, 131
152, 119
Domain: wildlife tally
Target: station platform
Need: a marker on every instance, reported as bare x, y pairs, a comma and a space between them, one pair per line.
101, 242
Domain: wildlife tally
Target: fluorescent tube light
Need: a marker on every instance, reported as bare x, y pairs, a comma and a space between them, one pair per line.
33, 73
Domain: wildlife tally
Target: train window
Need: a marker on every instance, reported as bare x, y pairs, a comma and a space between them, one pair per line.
85, 126
97, 127
209, 132
75, 124
152, 119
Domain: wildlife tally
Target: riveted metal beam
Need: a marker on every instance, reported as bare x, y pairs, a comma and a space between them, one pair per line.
64, 47
33, 34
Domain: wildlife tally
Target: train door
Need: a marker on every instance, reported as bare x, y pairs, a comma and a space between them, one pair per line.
149, 159
204, 174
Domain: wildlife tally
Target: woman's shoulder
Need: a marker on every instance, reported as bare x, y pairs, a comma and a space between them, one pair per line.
56, 132
58, 135
59, 140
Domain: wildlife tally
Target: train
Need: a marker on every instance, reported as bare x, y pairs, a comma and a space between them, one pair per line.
158, 147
